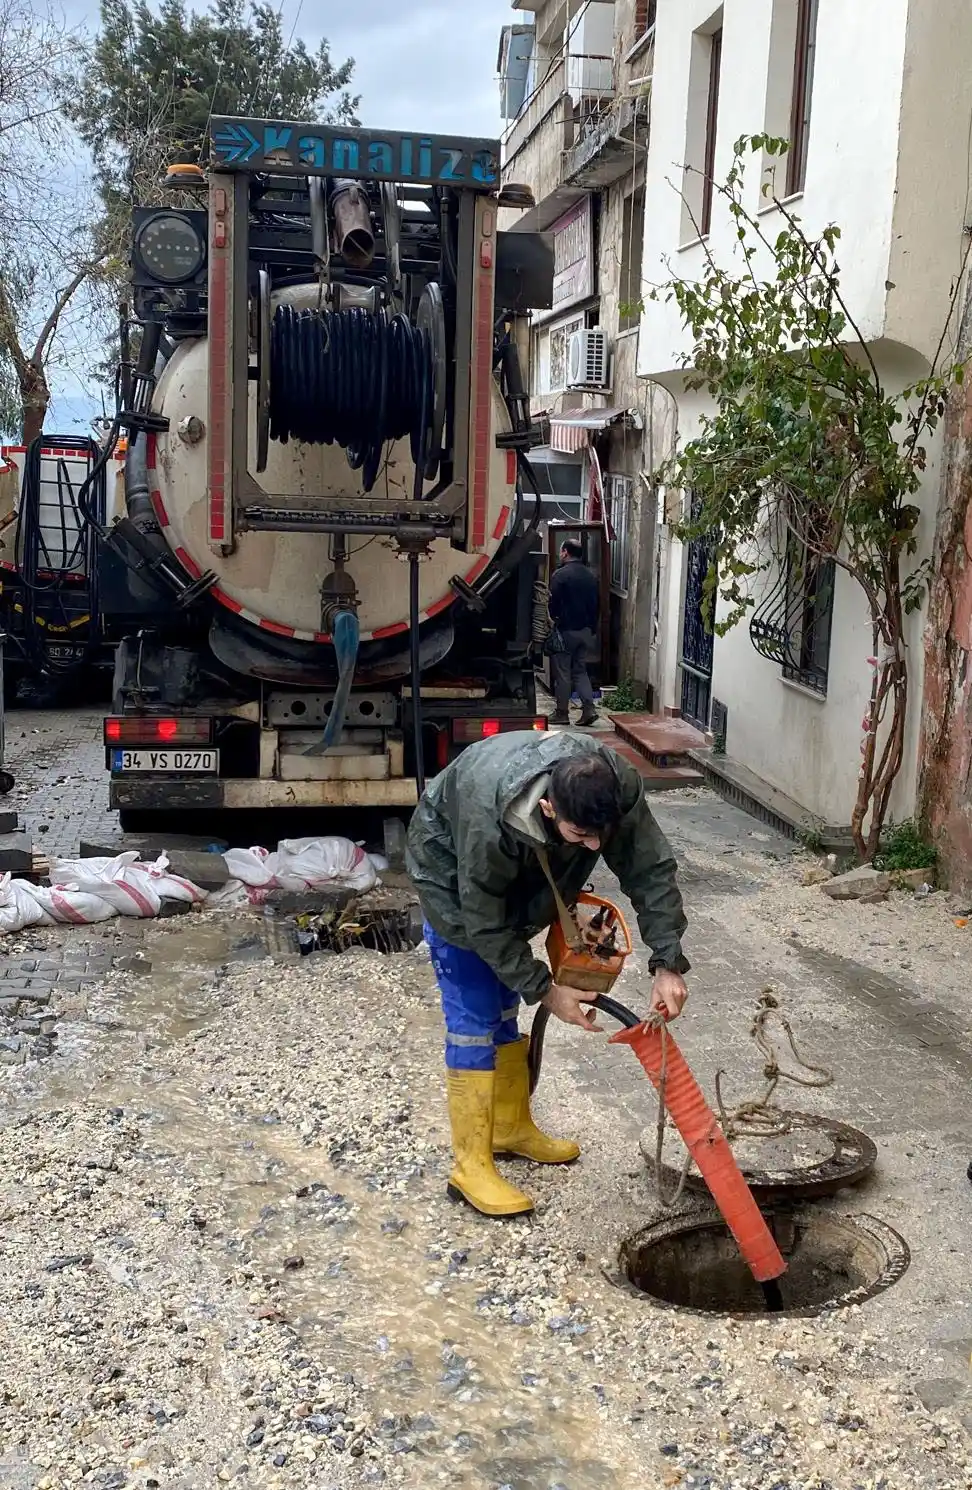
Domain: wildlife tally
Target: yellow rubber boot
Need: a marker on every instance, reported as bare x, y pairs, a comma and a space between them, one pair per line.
514, 1131
475, 1178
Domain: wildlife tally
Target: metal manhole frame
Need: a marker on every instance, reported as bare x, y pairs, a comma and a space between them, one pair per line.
897, 1258
835, 1173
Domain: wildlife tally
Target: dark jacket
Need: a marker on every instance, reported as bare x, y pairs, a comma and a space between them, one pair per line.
471, 855
574, 597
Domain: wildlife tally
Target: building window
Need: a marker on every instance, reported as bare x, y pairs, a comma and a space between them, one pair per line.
632, 249
803, 70
702, 121
645, 13
809, 613
617, 501
711, 128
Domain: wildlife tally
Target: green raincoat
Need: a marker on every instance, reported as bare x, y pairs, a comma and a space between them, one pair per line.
472, 857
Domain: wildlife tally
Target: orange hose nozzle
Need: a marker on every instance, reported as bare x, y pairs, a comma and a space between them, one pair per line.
708, 1146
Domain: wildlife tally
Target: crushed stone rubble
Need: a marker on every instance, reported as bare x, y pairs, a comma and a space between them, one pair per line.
226, 1256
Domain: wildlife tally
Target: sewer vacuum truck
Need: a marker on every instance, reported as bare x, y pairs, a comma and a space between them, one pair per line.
327, 572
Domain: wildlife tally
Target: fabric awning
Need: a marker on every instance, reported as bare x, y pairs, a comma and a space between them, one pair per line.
571, 432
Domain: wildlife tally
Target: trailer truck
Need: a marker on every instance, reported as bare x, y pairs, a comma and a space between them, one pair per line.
327, 574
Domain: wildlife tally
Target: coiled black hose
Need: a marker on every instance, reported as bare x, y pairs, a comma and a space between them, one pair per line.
352, 379
541, 1019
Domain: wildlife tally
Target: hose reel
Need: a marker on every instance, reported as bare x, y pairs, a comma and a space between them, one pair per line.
353, 377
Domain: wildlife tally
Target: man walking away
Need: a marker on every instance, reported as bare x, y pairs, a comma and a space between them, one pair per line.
575, 611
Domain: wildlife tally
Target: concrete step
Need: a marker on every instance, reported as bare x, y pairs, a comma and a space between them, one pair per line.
741, 786
664, 741
656, 778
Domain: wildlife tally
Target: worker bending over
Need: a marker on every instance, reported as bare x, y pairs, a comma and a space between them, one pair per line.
474, 853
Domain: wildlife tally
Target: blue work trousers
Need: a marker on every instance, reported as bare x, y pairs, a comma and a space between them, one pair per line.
480, 1011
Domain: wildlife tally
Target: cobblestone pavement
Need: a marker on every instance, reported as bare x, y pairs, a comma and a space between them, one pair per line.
896, 1031
61, 791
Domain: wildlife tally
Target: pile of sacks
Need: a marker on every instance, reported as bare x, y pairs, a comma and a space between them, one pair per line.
82, 891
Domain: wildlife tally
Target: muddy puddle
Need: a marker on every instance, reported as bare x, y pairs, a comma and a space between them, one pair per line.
472, 1401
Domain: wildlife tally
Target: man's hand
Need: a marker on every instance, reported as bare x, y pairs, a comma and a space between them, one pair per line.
567, 1004
668, 993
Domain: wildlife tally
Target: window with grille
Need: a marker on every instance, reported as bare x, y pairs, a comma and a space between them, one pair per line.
810, 613
617, 499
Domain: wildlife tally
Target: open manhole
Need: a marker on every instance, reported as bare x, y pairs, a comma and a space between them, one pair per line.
693, 1262
816, 1156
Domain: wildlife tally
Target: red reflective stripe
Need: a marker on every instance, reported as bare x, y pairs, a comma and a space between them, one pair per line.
440, 605
188, 562
218, 394
224, 599
277, 629
477, 569
511, 467
504, 518
159, 507
150, 450
482, 402
384, 631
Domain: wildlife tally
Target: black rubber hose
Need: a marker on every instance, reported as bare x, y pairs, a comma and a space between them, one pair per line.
351, 379
415, 669
602, 1003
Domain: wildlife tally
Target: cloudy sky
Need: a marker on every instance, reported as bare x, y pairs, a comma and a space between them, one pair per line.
428, 65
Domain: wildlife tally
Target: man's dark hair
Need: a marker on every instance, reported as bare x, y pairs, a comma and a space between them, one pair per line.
573, 549
586, 792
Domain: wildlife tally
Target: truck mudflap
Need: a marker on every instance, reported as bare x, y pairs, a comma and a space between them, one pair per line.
148, 793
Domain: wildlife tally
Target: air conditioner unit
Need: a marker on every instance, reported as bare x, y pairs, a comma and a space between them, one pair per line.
587, 359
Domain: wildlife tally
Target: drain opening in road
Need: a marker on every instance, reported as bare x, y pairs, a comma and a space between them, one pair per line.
832, 1263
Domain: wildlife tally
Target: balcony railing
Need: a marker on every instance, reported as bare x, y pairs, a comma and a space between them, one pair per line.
582, 82
538, 104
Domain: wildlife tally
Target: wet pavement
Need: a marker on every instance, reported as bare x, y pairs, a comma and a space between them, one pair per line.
227, 1186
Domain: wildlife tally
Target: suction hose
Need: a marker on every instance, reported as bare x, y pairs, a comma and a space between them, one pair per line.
669, 1073
346, 636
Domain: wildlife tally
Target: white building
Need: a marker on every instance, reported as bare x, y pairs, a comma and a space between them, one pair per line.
876, 98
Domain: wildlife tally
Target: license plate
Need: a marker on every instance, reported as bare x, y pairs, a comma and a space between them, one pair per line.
204, 762
64, 651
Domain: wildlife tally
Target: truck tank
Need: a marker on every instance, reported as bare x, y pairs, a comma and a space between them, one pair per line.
272, 580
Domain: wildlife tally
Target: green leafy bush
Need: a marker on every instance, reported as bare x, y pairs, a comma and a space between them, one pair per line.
903, 848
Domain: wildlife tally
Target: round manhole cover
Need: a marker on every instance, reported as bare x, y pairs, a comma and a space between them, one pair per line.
817, 1156
833, 1262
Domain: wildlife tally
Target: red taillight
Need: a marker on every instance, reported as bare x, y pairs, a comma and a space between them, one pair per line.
467, 731
141, 729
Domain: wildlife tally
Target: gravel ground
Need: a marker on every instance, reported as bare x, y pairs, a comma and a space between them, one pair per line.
226, 1254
